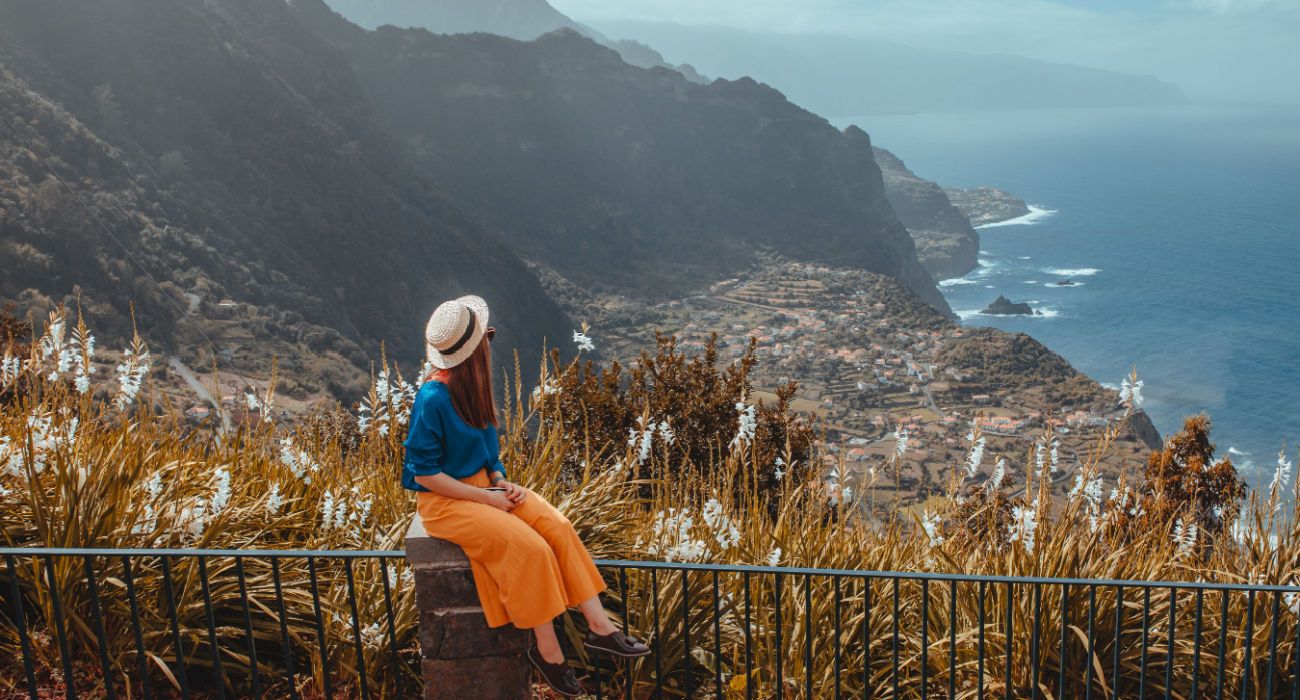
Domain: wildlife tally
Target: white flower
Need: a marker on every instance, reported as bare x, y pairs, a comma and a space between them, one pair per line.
222, 496
778, 469
195, 518
930, 522
900, 442
975, 457
1281, 475
387, 406
1023, 527
666, 432
84, 351
774, 557
11, 369
327, 510
641, 439
297, 460
154, 486
372, 636
999, 472
274, 500
548, 387
724, 529
746, 426
672, 537
1184, 537
583, 341
1130, 391
130, 373
255, 403
1292, 602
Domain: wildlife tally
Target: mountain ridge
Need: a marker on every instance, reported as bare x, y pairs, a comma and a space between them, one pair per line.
622, 175
841, 76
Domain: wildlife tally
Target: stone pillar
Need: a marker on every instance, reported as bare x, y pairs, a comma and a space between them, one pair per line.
460, 656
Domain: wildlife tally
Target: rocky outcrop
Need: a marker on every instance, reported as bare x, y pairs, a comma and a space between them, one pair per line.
986, 205
1003, 306
946, 243
621, 177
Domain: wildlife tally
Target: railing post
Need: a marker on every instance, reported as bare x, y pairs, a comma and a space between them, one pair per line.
460, 656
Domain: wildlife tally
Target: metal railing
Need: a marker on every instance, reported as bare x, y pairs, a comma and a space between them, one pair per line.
216, 623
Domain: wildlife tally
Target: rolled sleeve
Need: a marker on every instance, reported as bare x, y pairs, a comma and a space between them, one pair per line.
424, 450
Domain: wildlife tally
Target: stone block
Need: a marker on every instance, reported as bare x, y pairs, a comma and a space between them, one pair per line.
460, 633
489, 678
445, 588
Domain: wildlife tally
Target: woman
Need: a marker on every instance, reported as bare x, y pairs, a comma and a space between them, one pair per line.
528, 563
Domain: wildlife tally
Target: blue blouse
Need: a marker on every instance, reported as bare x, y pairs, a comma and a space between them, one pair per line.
441, 442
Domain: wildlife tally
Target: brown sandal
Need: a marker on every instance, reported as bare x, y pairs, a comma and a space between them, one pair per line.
559, 676
618, 644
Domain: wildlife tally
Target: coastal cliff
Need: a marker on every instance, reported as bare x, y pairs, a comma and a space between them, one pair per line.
946, 243
621, 177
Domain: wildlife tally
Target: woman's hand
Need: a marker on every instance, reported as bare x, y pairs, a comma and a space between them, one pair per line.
498, 499
514, 492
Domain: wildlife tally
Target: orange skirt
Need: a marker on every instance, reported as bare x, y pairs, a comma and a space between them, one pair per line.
528, 564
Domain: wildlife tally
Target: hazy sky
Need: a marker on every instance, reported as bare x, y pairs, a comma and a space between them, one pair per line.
1213, 49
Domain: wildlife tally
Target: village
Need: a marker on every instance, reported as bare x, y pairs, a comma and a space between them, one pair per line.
871, 369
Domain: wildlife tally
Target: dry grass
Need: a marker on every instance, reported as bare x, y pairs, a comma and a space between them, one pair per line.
134, 478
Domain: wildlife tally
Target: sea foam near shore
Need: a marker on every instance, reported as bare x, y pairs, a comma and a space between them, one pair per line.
1071, 271
1035, 215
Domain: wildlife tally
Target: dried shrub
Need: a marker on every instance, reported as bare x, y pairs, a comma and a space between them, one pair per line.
686, 409
1185, 480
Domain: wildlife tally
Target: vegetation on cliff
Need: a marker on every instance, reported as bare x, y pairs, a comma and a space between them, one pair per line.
90, 461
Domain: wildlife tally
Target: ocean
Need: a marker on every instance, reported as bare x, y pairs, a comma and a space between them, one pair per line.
1180, 227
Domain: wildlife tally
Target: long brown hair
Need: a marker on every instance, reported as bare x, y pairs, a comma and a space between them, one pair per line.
470, 384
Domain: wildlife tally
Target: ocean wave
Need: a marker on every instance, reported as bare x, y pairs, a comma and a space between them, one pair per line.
1238, 453
1071, 271
955, 281
1035, 215
1073, 283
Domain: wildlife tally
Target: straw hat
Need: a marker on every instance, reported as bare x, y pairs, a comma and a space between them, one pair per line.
455, 329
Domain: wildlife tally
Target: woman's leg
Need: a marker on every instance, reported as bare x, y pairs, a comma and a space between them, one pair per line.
597, 619
547, 643
581, 580
515, 570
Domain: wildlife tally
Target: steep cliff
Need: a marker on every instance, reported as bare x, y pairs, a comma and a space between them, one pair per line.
946, 243
234, 155
625, 177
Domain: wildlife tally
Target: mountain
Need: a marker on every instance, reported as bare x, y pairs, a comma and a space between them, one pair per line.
236, 157
623, 177
517, 19
946, 243
841, 76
